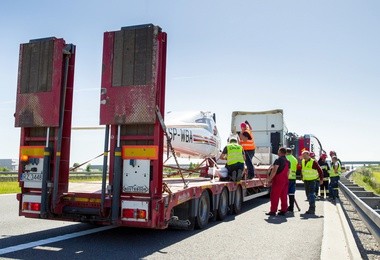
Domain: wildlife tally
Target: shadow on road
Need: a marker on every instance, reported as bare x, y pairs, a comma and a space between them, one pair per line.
276, 219
131, 243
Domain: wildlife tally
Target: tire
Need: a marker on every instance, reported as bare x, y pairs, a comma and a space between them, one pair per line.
238, 201
203, 213
223, 205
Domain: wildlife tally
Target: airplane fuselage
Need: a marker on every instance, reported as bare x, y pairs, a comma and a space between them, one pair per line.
198, 138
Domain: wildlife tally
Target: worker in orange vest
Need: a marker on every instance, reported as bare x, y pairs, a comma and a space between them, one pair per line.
248, 143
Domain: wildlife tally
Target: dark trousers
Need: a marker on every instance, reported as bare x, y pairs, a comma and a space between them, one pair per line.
316, 187
248, 161
310, 191
333, 188
325, 188
291, 194
234, 167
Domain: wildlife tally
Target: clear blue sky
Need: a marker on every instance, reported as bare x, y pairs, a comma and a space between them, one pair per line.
317, 60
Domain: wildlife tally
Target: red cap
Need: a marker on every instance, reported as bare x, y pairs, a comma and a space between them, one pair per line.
243, 125
323, 156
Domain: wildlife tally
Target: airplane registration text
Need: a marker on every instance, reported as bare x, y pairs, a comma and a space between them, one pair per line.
185, 135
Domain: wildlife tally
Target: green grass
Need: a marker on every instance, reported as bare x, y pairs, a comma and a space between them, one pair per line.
9, 187
79, 179
376, 176
368, 178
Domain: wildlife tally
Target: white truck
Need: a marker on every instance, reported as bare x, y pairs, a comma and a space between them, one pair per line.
270, 133
268, 129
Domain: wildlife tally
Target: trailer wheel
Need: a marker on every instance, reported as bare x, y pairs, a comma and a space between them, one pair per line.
238, 200
203, 210
223, 205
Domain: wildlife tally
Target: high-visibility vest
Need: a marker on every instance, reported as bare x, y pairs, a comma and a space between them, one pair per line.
249, 144
333, 173
308, 173
293, 166
234, 154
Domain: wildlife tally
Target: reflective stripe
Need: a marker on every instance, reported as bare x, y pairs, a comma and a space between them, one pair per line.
234, 154
249, 144
293, 166
308, 173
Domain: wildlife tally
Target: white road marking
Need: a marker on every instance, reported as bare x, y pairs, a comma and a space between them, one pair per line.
12, 249
48, 248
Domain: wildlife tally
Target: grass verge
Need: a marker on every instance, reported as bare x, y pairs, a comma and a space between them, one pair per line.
368, 178
9, 187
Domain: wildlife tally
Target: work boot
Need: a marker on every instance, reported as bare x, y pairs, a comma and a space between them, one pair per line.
311, 210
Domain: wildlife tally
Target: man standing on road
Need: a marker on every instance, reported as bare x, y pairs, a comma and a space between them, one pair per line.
279, 179
248, 143
325, 168
335, 172
312, 156
235, 157
310, 171
292, 178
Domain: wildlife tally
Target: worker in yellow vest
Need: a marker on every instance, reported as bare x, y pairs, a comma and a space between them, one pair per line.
312, 155
235, 157
336, 170
248, 143
292, 178
310, 171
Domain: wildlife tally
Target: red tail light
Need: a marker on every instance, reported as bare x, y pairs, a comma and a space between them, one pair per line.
33, 206
128, 213
134, 213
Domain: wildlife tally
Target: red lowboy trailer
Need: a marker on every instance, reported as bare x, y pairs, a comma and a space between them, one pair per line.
133, 191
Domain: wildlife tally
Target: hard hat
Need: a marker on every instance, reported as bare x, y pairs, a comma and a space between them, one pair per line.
243, 125
332, 153
232, 138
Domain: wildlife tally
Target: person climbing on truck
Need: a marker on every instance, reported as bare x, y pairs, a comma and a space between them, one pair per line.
234, 154
248, 143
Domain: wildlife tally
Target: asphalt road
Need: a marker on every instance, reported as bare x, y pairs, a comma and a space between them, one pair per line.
250, 235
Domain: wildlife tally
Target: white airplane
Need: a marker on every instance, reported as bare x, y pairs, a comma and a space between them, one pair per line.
193, 134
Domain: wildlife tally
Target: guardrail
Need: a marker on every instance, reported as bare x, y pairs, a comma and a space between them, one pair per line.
362, 162
366, 203
13, 176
